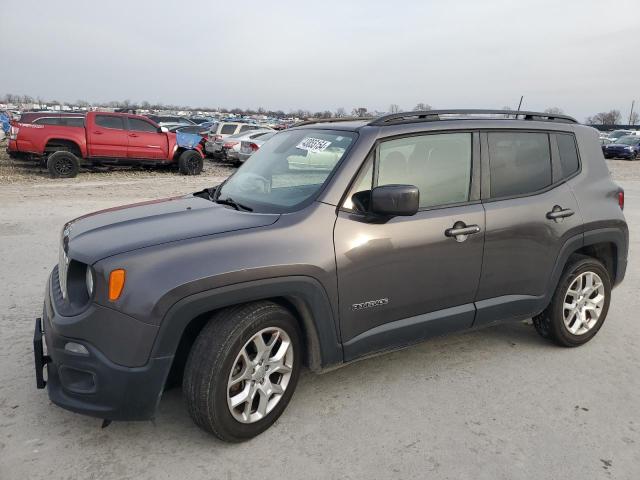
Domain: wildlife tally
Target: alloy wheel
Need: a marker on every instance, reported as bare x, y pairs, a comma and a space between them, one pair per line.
583, 303
260, 375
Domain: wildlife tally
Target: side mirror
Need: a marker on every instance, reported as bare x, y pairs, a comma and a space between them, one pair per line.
395, 200
163, 130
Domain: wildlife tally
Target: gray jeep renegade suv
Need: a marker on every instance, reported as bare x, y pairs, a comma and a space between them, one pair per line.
334, 241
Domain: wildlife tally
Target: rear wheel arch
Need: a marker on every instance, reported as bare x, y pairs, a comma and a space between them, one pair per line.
58, 144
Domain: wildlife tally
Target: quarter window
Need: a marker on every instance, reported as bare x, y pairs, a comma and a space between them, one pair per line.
520, 163
568, 154
110, 121
141, 126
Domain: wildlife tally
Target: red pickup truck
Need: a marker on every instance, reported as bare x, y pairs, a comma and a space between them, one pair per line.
102, 138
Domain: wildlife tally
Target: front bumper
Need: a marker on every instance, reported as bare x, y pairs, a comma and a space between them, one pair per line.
92, 384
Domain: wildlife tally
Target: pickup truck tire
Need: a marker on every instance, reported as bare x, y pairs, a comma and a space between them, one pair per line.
251, 351
190, 163
579, 305
63, 164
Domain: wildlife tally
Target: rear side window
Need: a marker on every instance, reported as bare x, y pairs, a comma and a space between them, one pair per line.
228, 129
141, 126
568, 154
109, 121
245, 128
48, 121
520, 163
74, 122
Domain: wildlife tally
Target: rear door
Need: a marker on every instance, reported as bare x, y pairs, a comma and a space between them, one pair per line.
530, 213
145, 141
108, 136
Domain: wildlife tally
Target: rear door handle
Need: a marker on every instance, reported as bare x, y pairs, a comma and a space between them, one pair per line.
558, 213
97, 132
460, 231
133, 135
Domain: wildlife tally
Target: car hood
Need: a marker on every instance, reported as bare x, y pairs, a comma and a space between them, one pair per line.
121, 229
617, 145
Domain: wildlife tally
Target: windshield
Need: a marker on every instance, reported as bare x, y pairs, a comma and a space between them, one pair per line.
618, 134
288, 170
628, 140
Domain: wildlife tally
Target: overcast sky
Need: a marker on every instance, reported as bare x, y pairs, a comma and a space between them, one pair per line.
580, 55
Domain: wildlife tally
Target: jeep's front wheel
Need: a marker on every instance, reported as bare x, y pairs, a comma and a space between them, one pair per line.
579, 306
242, 370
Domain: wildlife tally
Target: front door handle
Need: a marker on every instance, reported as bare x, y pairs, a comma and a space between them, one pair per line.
558, 213
97, 132
133, 135
460, 231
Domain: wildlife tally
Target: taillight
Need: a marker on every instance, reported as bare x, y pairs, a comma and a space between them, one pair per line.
13, 133
217, 137
253, 147
230, 144
621, 199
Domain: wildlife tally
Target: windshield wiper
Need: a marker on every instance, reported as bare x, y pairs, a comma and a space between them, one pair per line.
229, 201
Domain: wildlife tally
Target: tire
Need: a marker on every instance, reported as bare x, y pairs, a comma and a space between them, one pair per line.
215, 358
190, 163
63, 164
551, 323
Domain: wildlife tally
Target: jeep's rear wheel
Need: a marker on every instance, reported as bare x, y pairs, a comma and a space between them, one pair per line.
579, 306
242, 370
63, 164
190, 163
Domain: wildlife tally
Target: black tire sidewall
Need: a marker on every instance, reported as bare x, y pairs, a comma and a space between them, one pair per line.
60, 156
227, 424
557, 326
185, 158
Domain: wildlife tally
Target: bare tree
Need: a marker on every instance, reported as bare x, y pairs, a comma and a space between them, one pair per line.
340, 112
554, 110
634, 118
421, 107
359, 112
612, 117
394, 108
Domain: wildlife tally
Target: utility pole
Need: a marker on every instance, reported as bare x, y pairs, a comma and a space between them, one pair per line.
520, 104
633, 102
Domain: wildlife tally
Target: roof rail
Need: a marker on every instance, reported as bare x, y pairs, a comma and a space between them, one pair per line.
435, 115
332, 120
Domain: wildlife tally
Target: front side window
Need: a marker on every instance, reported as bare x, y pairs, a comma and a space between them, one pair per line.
141, 126
288, 170
110, 121
520, 163
438, 164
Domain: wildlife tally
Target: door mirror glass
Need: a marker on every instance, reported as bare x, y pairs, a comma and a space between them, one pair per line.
163, 130
395, 200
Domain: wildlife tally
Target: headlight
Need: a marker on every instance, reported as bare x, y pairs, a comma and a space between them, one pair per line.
629, 147
88, 278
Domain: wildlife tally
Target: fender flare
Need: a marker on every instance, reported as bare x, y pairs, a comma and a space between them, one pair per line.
306, 294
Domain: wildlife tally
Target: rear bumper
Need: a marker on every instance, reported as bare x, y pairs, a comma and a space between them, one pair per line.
91, 383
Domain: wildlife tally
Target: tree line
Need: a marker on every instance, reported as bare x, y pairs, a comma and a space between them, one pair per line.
612, 117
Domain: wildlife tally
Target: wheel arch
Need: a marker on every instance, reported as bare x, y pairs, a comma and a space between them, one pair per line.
57, 144
304, 297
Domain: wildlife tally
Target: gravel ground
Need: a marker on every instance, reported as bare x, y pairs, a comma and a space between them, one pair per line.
498, 403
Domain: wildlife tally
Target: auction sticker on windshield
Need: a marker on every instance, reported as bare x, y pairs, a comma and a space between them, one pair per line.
313, 144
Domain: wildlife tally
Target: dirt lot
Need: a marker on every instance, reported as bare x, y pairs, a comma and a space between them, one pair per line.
499, 403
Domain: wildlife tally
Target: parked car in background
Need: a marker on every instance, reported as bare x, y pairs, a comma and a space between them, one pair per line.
625, 147
102, 139
249, 147
223, 130
616, 134
165, 120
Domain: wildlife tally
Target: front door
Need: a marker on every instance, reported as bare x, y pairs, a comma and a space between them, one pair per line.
108, 137
145, 141
530, 214
404, 279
